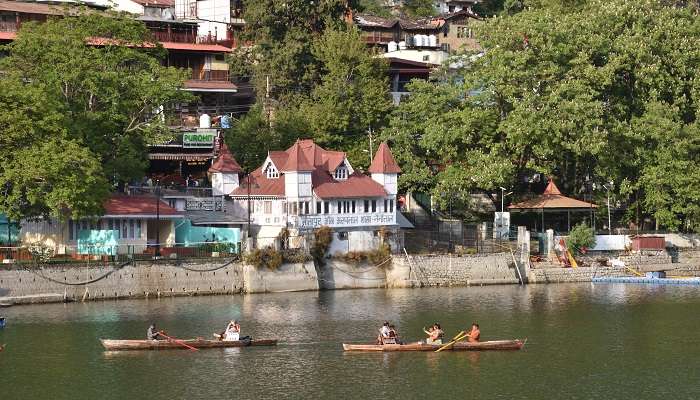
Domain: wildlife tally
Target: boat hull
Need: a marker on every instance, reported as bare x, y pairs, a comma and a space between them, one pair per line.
516, 344
114, 345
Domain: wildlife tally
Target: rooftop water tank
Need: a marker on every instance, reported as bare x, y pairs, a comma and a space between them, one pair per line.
432, 41
204, 121
418, 40
392, 46
402, 45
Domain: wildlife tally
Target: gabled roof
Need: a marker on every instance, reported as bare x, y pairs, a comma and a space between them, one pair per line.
305, 155
383, 162
296, 160
552, 198
138, 205
225, 162
156, 3
30, 8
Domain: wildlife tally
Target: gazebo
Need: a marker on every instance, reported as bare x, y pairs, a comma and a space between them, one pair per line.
552, 201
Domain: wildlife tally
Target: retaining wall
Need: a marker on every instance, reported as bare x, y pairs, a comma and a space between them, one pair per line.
446, 270
335, 274
582, 274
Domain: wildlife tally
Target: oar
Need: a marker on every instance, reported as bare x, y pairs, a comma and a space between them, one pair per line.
456, 339
178, 341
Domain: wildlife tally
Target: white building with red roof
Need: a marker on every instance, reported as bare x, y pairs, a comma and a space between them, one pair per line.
306, 186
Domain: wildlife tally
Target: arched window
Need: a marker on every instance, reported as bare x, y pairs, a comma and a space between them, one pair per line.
272, 172
341, 173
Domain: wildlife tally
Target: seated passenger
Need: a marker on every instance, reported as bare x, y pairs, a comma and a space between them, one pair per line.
232, 332
383, 333
435, 334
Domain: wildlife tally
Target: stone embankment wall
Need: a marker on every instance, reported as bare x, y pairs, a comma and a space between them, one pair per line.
562, 275
336, 274
444, 270
143, 280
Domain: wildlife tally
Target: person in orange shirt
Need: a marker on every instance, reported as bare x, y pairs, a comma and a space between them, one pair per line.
474, 333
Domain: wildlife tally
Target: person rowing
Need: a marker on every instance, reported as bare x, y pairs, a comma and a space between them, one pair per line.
435, 334
473, 335
153, 334
393, 335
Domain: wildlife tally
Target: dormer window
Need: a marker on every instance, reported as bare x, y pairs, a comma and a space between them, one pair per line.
272, 172
341, 173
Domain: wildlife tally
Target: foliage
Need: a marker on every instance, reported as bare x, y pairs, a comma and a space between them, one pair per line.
267, 257
295, 256
377, 257
580, 238
323, 236
77, 117
352, 95
419, 8
583, 91
228, 248
374, 7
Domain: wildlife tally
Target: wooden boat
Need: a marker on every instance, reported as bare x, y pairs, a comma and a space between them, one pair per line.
516, 344
198, 343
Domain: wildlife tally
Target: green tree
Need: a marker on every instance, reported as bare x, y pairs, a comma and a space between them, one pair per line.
352, 97
580, 238
82, 97
584, 91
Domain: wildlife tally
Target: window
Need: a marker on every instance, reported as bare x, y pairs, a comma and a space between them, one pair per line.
342, 236
374, 205
341, 173
71, 230
293, 209
132, 229
353, 206
303, 207
125, 229
391, 205
366, 206
318, 207
272, 172
340, 207
268, 207
426, 58
386, 205
326, 207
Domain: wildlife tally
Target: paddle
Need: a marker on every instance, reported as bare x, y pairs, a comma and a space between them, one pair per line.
178, 341
460, 336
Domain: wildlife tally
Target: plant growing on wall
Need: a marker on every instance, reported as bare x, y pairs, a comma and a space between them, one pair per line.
323, 237
581, 238
264, 258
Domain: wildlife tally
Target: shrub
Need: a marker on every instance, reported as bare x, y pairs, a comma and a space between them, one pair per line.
375, 257
268, 258
295, 256
581, 238
379, 255
323, 237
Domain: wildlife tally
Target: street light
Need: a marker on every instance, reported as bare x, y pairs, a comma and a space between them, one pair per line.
503, 196
157, 188
607, 187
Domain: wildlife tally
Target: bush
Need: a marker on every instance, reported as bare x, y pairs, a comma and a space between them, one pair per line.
581, 238
268, 258
374, 257
218, 247
323, 237
295, 256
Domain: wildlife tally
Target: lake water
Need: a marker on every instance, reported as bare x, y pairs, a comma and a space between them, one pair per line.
585, 341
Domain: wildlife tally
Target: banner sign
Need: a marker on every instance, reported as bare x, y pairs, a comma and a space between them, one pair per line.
203, 139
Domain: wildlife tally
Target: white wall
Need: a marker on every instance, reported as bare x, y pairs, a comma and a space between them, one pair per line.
433, 56
389, 181
214, 10
223, 184
128, 6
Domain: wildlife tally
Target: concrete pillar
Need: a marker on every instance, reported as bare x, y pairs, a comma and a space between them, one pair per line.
484, 230
549, 244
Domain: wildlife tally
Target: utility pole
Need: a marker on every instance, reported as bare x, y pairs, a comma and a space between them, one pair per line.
157, 218
607, 187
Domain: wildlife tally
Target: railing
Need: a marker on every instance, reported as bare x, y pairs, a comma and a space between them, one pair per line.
183, 37
7, 26
378, 37
210, 75
173, 191
106, 254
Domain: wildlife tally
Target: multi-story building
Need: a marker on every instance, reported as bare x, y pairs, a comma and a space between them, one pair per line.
306, 186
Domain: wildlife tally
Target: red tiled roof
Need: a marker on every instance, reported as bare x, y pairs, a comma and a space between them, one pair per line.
30, 8
296, 160
383, 162
357, 185
215, 48
551, 199
225, 162
125, 205
305, 155
156, 3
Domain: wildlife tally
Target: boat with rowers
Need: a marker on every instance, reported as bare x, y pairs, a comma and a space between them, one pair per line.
515, 344
198, 343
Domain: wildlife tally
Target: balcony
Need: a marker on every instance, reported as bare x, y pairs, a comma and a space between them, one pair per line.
210, 75
182, 37
7, 26
378, 37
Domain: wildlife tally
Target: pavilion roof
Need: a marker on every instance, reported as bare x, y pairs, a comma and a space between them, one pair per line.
552, 199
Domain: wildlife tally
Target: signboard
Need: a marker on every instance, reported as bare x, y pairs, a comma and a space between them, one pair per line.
342, 220
202, 139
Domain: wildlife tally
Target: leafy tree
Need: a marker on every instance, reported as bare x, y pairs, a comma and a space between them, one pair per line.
81, 100
583, 91
419, 8
353, 96
281, 61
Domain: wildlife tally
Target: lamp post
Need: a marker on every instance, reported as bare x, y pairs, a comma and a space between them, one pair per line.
157, 189
607, 187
